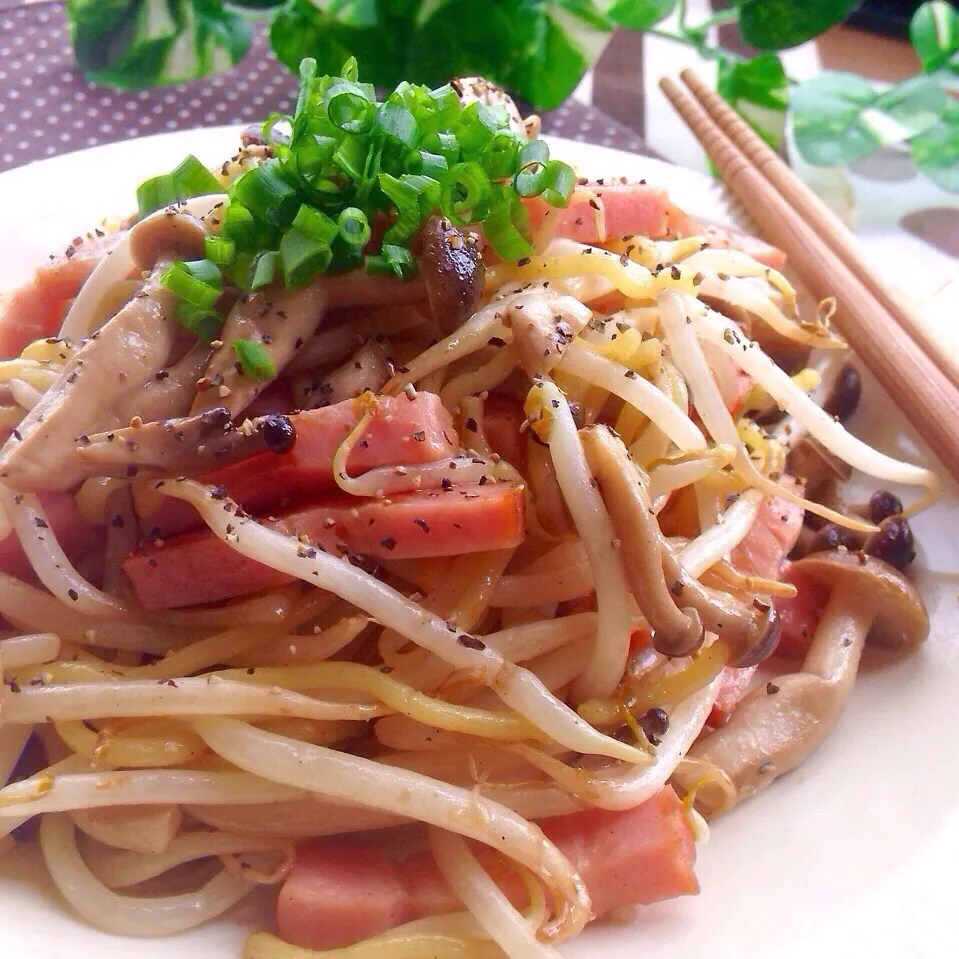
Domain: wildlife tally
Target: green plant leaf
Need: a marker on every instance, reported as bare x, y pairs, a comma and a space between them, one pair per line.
760, 80
839, 118
376, 33
936, 150
254, 4
140, 43
934, 31
780, 24
639, 14
589, 13
758, 90
538, 50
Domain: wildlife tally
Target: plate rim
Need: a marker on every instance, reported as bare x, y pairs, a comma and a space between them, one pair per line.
873, 922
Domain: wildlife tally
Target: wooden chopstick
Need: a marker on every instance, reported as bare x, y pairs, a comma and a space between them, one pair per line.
829, 227
918, 387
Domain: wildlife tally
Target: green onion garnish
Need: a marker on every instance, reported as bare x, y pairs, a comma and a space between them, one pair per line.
507, 228
352, 166
266, 193
219, 250
264, 269
395, 260
190, 178
560, 181
204, 323
206, 271
303, 256
354, 227
254, 360
531, 180
350, 112
468, 189
178, 278
194, 179
315, 224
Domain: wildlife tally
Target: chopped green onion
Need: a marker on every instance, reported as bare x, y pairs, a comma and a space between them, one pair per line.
242, 227
352, 160
531, 180
475, 127
429, 164
178, 279
405, 198
315, 224
155, 193
194, 179
351, 69
254, 359
467, 190
311, 158
398, 123
560, 182
350, 112
203, 323
533, 151
507, 229
351, 157
307, 75
354, 227
239, 270
190, 178
206, 271
429, 192
391, 259
267, 193
302, 257
219, 250
263, 269
236, 222
445, 144
447, 102
499, 160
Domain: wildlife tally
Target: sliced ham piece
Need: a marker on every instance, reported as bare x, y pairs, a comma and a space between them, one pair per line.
799, 615
37, 308
197, 567
343, 891
762, 553
602, 212
734, 684
77, 537
771, 538
598, 212
401, 432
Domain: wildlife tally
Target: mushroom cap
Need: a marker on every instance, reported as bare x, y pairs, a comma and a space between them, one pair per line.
900, 618
167, 233
453, 272
811, 462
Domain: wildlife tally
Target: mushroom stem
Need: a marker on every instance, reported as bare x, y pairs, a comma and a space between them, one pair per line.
776, 727
676, 631
839, 639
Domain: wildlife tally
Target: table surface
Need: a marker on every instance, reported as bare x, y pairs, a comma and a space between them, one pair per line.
47, 107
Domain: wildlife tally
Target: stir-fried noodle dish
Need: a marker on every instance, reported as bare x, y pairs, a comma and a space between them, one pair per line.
398, 526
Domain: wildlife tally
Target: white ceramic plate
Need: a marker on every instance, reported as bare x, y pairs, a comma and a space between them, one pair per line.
853, 855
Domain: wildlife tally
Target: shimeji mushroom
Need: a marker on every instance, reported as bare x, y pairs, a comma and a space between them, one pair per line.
781, 722
167, 235
677, 607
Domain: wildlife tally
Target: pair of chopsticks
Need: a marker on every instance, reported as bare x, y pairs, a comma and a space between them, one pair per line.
917, 372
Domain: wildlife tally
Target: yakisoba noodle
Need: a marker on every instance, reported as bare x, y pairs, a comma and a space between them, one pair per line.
474, 558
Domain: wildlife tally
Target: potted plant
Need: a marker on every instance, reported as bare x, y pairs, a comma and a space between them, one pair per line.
539, 50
